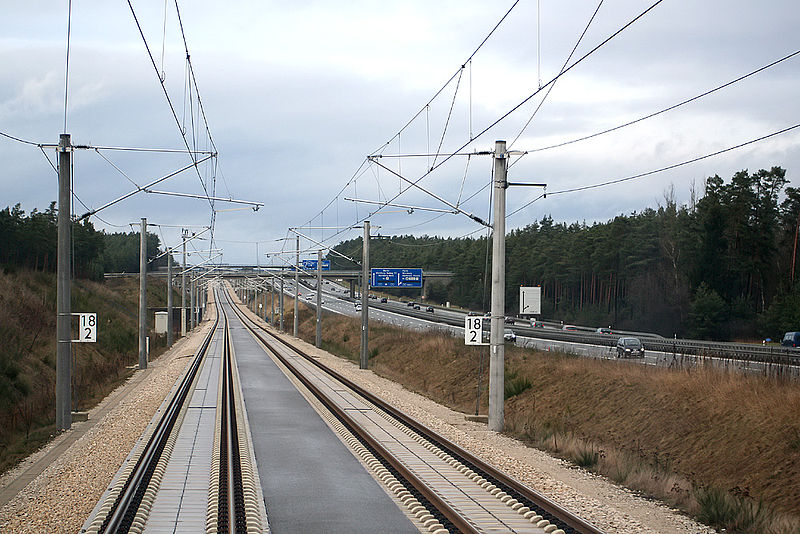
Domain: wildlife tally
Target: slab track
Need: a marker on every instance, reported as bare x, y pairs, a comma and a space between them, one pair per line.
445, 488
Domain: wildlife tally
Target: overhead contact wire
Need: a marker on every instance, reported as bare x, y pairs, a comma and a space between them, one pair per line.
527, 99
169, 100
655, 171
670, 108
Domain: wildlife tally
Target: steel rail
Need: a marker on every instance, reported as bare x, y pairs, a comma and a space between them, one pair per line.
549, 509
446, 511
122, 514
231, 507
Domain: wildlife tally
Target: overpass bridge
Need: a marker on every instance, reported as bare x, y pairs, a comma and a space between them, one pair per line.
352, 276
231, 271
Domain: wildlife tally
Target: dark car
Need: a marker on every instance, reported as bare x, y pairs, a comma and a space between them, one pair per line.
472, 314
791, 339
410, 303
509, 320
429, 309
629, 347
384, 299
416, 306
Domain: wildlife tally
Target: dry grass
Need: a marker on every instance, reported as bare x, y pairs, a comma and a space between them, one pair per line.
27, 351
668, 434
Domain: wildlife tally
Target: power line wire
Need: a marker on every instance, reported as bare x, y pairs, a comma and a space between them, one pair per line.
566, 62
670, 108
460, 69
655, 171
502, 117
360, 170
13, 138
169, 100
524, 101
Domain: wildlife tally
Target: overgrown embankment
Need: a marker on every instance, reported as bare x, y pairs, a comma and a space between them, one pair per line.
28, 351
696, 439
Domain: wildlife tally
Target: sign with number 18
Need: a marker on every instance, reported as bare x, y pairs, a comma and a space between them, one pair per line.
473, 330
87, 328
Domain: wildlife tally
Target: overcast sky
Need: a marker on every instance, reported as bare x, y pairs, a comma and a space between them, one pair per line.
297, 94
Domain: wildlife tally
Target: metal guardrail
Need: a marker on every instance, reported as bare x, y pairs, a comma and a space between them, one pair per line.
733, 351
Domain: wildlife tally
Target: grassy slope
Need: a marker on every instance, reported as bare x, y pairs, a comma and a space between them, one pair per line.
741, 434
27, 351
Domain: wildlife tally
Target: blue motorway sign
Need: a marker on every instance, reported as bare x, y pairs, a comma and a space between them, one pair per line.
387, 277
311, 265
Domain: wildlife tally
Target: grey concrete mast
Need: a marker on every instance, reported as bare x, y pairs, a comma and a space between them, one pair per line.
183, 286
280, 302
143, 295
296, 280
496, 341
364, 359
63, 305
192, 302
169, 299
319, 299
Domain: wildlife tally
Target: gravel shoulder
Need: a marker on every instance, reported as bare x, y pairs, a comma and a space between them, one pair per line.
65, 492
610, 507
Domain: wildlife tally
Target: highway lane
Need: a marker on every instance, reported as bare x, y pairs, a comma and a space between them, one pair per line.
398, 313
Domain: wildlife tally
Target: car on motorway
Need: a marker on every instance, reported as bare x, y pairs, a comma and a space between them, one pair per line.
509, 335
508, 320
410, 303
602, 330
629, 347
791, 339
472, 314
416, 306
384, 299
569, 328
536, 324
429, 309
358, 306
308, 297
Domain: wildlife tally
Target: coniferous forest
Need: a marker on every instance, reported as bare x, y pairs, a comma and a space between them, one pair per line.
720, 268
31, 241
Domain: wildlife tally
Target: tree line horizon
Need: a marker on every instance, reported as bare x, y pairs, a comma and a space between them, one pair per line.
722, 267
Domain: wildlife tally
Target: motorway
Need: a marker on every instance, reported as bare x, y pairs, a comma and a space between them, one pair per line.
550, 338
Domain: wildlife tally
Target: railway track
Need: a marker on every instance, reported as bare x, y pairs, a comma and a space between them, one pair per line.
226, 507
444, 487
232, 503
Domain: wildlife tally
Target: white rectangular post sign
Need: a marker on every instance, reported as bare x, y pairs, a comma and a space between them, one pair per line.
530, 300
473, 330
87, 328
